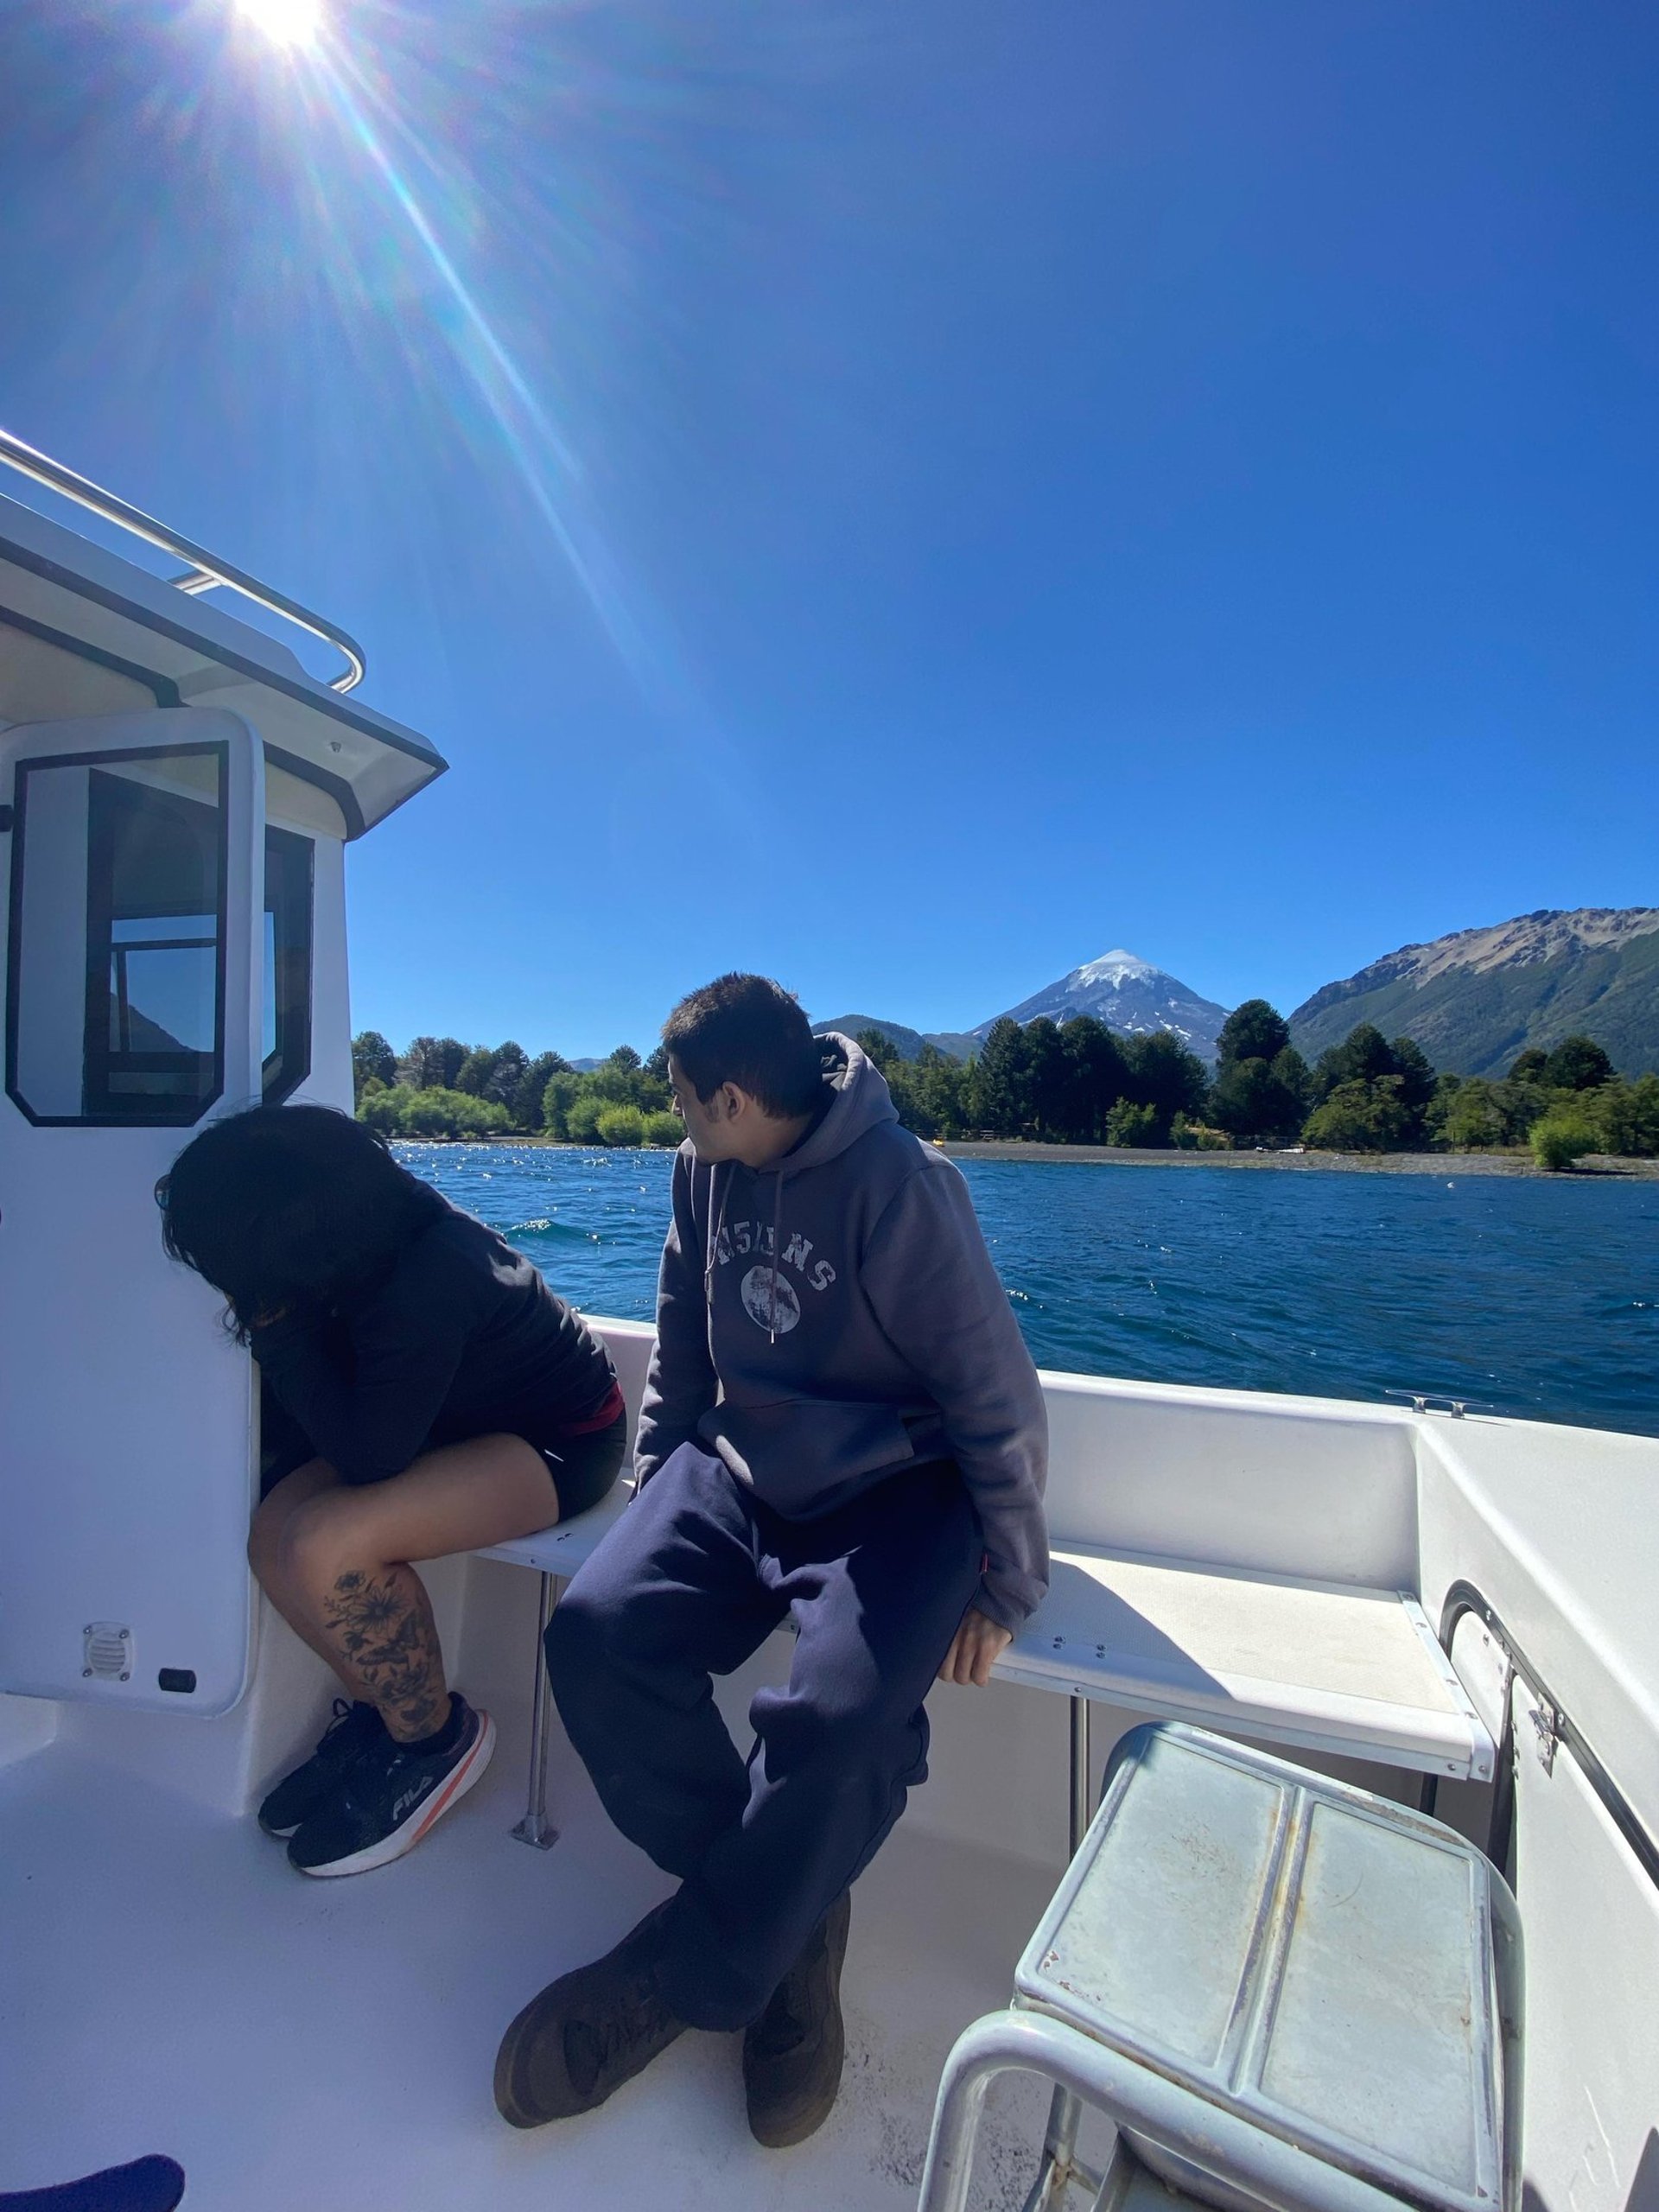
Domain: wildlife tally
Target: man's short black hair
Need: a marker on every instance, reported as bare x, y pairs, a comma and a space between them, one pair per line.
749, 1031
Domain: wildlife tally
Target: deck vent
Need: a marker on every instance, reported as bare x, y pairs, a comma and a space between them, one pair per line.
106, 1652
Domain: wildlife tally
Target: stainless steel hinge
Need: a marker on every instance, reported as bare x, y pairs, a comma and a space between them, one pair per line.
1547, 1724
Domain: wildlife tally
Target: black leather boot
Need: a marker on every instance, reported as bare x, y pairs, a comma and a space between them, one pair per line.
792, 2055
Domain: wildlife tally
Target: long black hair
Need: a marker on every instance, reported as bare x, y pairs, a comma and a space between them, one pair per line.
287, 1209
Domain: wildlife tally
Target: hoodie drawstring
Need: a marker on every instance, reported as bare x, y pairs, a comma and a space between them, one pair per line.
716, 1224
777, 1234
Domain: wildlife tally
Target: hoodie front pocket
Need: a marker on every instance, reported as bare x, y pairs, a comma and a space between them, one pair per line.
804, 1455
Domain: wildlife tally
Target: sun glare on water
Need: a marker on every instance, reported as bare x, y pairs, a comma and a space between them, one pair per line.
293, 23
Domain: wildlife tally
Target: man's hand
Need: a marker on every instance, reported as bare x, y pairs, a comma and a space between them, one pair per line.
974, 1649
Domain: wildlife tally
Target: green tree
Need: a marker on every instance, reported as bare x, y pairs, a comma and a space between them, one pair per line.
1161, 1073
1522, 1103
1001, 1083
527, 1103
1399, 1084
878, 1048
1046, 1073
1255, 1030
559, 1094
436, 1112
1530, 1067
908, 1101
380, 1109
941, 1088
494, 1071
1416, 1073
1577, 1063
1467, 1115
581, 1116
664, 1128
1261, 1088
1362, 1057
623, 1079
1262, 1101
1094, 1074
1360, 1115
372, 1061
1133, 1125
1566, 1132
433, 1063
474, 1071
1628, 1116
619, 1125
512, 1065
1291, 1070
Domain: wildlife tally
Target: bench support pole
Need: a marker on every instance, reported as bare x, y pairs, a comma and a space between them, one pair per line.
1061, 2166
1080, 1764
534, 1828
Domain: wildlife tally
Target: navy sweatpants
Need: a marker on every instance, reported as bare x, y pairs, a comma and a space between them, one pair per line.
692, 1578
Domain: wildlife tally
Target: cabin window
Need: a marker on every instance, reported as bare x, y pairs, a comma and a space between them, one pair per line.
115, 1008
286, 1045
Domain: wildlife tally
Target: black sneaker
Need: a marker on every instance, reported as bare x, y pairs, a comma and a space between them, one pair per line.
389, 1797
586, 2033
792, 2055
301, 1793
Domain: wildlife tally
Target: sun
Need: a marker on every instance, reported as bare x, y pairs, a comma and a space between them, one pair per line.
292, 24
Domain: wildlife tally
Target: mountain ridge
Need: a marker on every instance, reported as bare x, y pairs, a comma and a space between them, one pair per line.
956, 1045
1475, 998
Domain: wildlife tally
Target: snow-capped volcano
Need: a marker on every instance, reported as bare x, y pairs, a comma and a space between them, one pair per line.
1114, 968
1130, 995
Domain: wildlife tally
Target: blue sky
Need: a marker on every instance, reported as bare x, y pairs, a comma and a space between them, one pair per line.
904, 498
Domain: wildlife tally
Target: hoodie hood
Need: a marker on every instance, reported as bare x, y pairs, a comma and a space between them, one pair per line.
860, 1100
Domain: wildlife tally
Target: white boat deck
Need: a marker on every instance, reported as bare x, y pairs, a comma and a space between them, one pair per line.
171, 1985
167, 1984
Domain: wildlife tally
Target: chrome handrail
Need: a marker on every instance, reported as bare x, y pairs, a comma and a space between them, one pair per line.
205, 570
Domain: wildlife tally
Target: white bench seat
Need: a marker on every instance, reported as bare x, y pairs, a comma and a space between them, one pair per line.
561, 1550
1321, 1666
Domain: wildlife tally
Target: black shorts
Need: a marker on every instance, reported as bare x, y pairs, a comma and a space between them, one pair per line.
584, 1467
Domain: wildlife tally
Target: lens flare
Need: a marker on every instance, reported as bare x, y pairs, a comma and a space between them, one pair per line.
295, 23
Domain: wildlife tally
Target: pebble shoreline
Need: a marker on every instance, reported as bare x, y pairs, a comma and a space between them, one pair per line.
1447, 1165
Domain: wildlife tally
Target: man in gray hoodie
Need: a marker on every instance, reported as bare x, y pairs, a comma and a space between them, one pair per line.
842, 1427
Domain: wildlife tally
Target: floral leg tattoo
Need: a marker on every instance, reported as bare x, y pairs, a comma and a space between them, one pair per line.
384, 1627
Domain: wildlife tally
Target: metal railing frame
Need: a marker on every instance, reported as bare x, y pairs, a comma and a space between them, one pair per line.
206, 570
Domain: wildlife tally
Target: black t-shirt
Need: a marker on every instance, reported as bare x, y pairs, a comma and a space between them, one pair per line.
462, 1338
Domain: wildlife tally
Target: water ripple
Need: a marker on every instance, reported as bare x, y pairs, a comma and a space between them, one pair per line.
1540, 1298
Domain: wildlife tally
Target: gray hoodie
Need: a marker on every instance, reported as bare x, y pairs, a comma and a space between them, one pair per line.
824, 1323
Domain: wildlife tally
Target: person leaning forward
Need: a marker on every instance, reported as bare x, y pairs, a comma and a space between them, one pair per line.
841, 1426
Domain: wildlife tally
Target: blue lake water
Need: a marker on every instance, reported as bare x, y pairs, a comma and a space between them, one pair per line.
1540, 1298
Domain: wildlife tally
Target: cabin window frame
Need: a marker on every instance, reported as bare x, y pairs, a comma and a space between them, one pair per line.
197, 1106
291, 879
